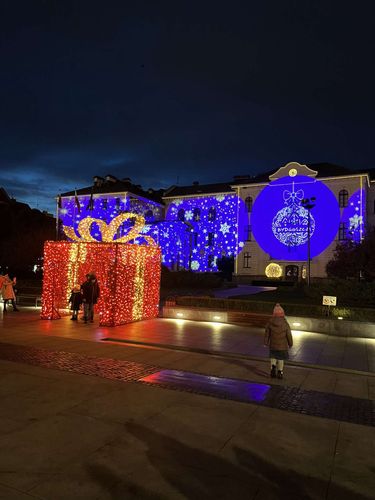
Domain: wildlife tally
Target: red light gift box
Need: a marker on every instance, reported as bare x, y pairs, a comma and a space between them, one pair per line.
128, 274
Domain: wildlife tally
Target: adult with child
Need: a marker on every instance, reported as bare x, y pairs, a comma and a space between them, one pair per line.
90, 294
278, 337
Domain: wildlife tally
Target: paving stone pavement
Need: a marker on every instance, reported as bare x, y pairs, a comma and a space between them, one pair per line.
314, 403
64, 434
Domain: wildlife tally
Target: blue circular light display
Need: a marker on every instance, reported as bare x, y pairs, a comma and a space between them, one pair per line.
280, 222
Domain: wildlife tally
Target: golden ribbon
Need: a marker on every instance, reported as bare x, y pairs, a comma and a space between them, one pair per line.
108, 231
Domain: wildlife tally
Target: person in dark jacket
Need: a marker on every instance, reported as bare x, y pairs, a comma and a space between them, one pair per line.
278, 337
90, 295
75, 301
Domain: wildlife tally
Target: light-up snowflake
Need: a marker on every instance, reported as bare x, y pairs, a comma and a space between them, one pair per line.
241, 244
195, 265
220, 197
189, 215
290, 224
177, 202
224, 228
355, 221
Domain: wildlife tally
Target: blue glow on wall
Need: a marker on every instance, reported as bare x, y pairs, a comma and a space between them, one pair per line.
106, 208
199, 230
280, 222
354, 216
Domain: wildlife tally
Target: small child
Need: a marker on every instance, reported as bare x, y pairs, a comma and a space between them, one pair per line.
278, 338
75, 301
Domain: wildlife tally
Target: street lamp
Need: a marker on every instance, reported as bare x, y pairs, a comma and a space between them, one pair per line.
308, 204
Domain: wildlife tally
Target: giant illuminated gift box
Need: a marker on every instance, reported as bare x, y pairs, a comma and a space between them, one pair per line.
128, 274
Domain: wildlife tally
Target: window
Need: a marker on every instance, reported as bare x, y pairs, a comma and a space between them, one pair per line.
196, 215
212, 213
343, 198
210, 261
248, 233
246, 260
105, 203
195, 239
342, 231
149, 215
249, 204
210, 239
181, 214
118, 203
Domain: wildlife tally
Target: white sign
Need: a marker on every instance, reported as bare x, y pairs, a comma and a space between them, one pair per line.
328, 300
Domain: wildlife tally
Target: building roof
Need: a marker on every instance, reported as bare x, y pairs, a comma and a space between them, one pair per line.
324, 170
197, 189
111, 184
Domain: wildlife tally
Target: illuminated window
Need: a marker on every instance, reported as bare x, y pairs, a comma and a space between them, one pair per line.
343, 198
246, 260
249, 204
181, 214
212, 213
210, 239
196, 215
342, 231
248, 233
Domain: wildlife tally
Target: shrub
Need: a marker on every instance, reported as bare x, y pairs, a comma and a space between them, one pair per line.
188, 279
308, 310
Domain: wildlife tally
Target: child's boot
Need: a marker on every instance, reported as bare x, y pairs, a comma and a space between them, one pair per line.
279, 374
273, 371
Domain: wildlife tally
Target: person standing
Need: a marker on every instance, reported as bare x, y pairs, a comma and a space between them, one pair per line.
7, 292
75, 301
278, 337
90, 295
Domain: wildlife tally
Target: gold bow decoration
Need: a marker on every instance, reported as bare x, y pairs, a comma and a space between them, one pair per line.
108, 231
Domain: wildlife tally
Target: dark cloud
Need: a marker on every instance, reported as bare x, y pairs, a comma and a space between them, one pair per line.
160, 91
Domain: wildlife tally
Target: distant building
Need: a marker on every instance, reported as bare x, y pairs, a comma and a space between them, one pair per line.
262, 221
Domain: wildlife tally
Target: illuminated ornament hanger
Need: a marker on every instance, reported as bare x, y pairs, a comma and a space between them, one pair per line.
290, 224
109, 231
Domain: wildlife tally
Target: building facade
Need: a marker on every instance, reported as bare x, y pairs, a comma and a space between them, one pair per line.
269, 224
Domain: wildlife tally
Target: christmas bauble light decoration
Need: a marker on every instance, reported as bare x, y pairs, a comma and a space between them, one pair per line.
274, 270
290, 224
280, 222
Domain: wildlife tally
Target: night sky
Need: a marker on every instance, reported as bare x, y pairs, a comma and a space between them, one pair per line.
168, 92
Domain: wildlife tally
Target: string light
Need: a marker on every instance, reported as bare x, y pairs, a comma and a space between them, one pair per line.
128, 275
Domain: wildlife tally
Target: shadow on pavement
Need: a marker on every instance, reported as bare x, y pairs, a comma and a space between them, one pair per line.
198, 474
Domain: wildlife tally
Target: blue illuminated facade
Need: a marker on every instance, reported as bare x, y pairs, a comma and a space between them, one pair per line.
201, 229
280, 222
354, 216
106, 207
258, 221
